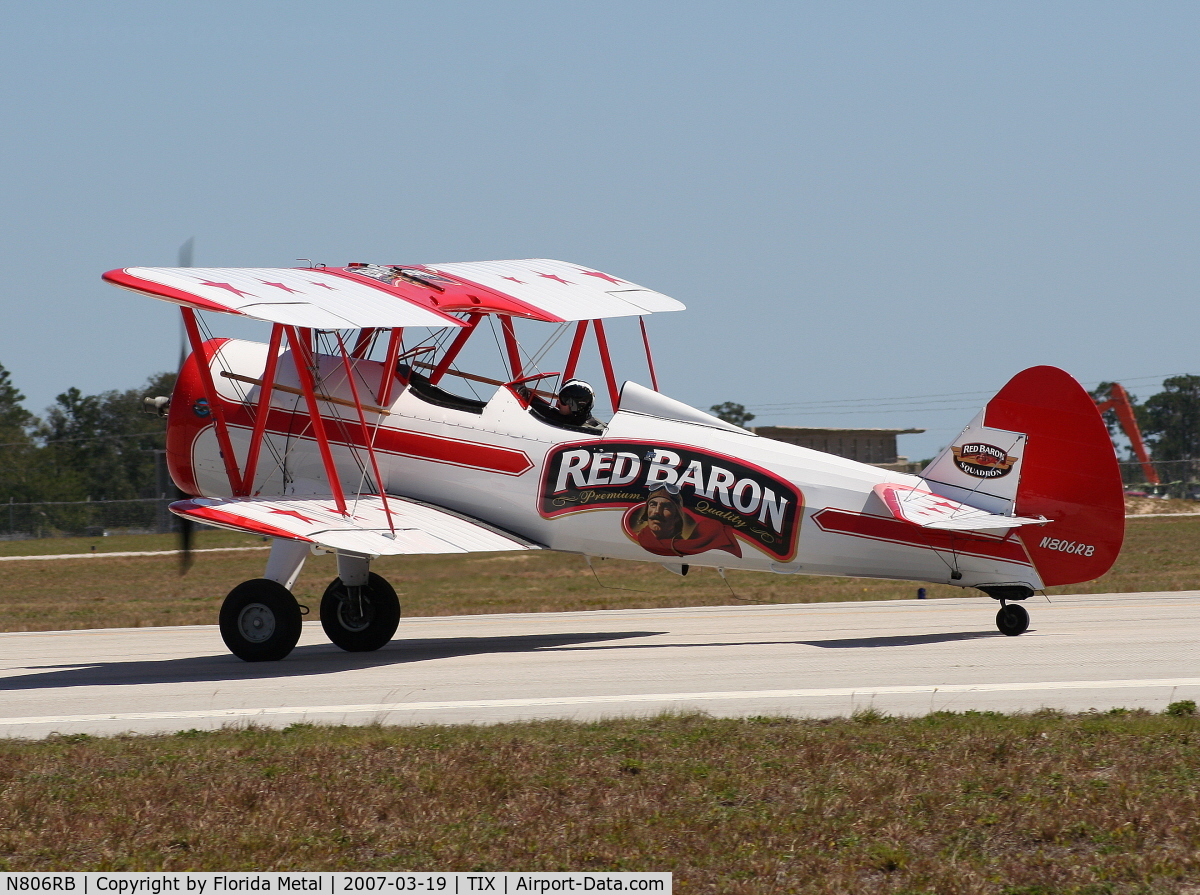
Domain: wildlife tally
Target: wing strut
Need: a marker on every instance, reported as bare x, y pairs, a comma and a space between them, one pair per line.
455, 347
510, 342
387, 379
264, 408
363, 345
301, 357
614, 394
576, 350
649, 356
366, 432
214, 404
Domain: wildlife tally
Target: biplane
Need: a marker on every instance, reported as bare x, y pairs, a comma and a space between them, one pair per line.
369, 424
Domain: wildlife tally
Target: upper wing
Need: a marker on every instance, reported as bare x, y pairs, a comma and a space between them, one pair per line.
309, 297
929, 510
379, 295
419, 528
561, 290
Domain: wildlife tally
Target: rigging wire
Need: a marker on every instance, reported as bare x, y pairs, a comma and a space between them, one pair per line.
243, 394
908, 403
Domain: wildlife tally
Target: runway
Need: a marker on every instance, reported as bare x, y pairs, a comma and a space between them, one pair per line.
819, 660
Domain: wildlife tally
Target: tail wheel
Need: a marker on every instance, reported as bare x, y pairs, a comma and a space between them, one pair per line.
260, 621
1012, 620
363, 621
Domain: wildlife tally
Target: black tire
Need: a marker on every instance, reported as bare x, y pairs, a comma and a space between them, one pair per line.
1012, 620
260, 621
355, 632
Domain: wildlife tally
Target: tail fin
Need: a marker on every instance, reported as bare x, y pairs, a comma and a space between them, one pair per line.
1040, 448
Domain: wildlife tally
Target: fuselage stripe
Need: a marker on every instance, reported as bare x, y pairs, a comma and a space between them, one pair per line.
505, 461
878, 528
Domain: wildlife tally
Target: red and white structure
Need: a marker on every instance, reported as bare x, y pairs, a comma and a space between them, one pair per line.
350, 431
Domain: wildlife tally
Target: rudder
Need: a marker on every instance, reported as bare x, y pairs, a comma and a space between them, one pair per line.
1070, 475
1045, 429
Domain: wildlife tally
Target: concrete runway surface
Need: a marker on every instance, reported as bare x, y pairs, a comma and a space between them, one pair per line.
816, 660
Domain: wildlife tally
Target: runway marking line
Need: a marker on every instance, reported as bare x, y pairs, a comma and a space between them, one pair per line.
49, 556
386, 708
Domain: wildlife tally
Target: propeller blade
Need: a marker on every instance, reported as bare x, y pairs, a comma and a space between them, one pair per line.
186, 526
186, 530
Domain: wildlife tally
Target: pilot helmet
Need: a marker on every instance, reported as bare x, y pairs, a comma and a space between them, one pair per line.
577, 396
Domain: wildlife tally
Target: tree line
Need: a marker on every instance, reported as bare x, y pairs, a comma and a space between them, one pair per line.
84, 447
1169, 420
103, 446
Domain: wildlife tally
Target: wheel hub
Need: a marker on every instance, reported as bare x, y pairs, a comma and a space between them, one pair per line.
355, 614
256, 623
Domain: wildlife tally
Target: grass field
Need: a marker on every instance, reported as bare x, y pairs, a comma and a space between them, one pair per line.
969, 803
948, 803
1159, 554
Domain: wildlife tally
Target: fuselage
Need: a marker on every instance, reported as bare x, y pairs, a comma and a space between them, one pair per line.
649, 487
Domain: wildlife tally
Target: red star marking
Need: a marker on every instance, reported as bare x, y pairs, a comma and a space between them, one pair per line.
514, 279
603, 276
279, 286
236, 291
299, 516
554, 276
948, 506
324, 286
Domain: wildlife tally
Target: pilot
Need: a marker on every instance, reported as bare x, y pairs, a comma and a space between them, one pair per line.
572, 408
575, 402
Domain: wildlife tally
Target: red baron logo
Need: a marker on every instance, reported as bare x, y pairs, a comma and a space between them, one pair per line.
675, 500
984, 461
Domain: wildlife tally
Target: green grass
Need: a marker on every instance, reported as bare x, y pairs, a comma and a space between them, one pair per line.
957, 803
953, 803
1159, 554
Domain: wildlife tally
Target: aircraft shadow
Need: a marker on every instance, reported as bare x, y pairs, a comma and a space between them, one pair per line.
899, 640
314, 659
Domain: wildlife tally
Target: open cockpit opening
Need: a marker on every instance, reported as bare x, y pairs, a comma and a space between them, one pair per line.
422, 388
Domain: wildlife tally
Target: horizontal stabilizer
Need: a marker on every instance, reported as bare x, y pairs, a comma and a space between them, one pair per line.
419, 528
929, 510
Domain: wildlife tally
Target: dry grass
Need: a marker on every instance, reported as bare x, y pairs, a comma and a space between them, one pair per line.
1159, 554
1140, 506
948, 803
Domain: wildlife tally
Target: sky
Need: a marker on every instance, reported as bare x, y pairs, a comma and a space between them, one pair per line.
876, 212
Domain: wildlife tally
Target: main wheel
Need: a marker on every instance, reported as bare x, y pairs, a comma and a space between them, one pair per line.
260, 620
1012, 620
363, 623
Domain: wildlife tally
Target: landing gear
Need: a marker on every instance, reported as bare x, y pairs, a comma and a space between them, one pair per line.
360, 619
260, 621
1012, 620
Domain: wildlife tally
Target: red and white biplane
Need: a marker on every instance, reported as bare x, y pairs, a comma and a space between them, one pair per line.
351, 432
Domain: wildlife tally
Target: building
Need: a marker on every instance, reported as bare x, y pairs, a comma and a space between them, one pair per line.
874, 446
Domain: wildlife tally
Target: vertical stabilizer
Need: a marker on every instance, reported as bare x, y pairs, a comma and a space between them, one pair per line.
981, 467
1040, 448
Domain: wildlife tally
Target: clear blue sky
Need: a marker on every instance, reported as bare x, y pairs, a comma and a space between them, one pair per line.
855, 200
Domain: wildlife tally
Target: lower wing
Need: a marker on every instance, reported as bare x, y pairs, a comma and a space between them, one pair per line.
370, 528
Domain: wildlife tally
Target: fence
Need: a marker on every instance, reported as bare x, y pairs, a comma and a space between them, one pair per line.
1179, 478
90, 518
94, 518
